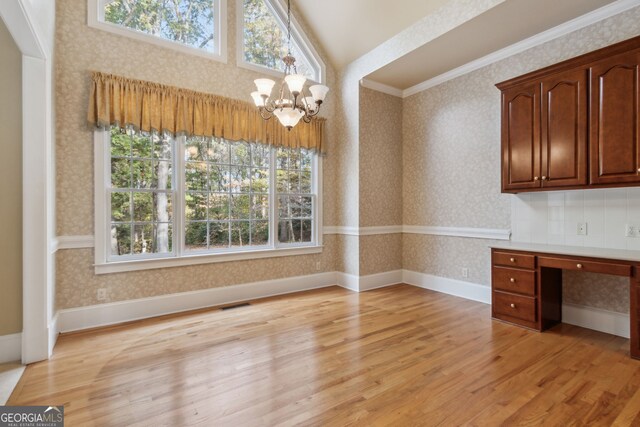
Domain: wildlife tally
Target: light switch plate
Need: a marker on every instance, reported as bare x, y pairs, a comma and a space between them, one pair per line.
630, 231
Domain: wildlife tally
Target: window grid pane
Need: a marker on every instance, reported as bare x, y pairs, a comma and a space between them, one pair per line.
191, 23
227, 188
140, 193
294, 196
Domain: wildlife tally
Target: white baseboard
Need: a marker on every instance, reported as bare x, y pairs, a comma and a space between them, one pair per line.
458, 288
597, 319
54, 331
348, 281
369, 282
10, 348
75, 319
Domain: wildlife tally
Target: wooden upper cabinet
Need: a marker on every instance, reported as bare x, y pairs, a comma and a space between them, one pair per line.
575, 124
615, 120
521, 137
564, 129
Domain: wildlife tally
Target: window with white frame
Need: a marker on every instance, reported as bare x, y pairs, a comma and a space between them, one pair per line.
159, 197
263, 35
198, 26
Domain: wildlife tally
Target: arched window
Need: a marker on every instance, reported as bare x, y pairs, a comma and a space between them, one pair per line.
262, 40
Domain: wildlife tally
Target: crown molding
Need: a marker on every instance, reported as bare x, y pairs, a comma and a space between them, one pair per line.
575, 24
379, 87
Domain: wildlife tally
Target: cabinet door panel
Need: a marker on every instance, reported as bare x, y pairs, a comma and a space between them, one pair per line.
521, 138
564, 129
615, 120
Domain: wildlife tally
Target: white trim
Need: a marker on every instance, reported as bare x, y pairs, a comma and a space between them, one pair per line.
10, 348
369, 282
72, 242
458, 288
220, 27
521, 46
152, 263
347, 281
298, 36
597, 319
75, 319
379, 87
474, 233
54, 331
19, 23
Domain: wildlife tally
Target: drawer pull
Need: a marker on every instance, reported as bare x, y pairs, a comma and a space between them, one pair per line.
512, 259
513, 305
579, 265
512, 280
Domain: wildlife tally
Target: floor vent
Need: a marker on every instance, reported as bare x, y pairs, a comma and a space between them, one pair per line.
230, 307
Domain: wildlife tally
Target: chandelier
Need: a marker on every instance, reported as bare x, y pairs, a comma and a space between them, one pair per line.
290, 103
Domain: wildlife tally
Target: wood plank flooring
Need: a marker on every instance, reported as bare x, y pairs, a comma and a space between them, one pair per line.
393, 356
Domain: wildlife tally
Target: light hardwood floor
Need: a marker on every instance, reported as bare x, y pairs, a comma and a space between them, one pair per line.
394, 356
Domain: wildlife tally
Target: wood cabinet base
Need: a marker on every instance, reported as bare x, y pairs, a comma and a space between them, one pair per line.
517, 300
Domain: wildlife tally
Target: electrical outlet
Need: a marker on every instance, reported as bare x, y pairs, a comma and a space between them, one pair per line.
630, 231
582, 229
102, 294
465, 272
318, 265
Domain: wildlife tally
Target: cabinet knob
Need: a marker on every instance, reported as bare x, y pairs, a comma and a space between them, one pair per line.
638, 170
513, 305
512, 280
512, 259
579, 265
535, 178
544, 178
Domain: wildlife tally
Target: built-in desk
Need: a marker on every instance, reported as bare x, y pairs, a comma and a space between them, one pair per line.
526, 282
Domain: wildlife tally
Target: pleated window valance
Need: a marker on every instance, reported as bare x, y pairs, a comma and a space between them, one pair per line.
151, 106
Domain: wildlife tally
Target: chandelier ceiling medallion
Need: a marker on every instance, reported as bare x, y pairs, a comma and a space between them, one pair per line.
290, 104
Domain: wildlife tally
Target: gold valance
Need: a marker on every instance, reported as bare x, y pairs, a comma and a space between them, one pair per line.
151, 106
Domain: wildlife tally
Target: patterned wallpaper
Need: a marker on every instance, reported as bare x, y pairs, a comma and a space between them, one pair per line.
78, 285
80, 49
380, 253
380, 159
451, 163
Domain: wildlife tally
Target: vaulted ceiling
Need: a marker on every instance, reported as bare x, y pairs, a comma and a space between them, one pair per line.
348, 29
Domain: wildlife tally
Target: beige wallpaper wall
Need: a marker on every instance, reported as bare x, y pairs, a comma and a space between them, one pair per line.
451, 163
10, 185
380, 183
80, 49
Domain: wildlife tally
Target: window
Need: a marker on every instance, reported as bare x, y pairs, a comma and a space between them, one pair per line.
198, 26
263, 35
160, 198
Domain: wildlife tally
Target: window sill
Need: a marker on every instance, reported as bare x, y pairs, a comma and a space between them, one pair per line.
149, 264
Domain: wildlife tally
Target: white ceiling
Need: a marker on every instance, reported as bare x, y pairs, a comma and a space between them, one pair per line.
347, 29
505, 24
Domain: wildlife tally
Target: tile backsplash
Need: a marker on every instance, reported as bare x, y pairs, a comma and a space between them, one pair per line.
553, 217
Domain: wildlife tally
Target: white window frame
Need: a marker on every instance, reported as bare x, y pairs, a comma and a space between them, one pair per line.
95, 19
298, 37
104, 263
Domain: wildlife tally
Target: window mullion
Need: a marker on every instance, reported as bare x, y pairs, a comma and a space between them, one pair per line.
179, 196
272, 198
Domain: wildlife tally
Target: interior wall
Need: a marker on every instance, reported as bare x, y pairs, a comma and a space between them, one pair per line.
380, 180
10, 185
451, 163
76, 56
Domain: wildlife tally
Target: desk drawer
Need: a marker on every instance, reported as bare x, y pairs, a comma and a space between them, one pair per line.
514, 260
589, 266
514, 280
516, 306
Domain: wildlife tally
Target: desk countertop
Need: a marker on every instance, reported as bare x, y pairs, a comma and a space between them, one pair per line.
613, 254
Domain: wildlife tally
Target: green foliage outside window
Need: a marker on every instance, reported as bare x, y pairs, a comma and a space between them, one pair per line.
190, 22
